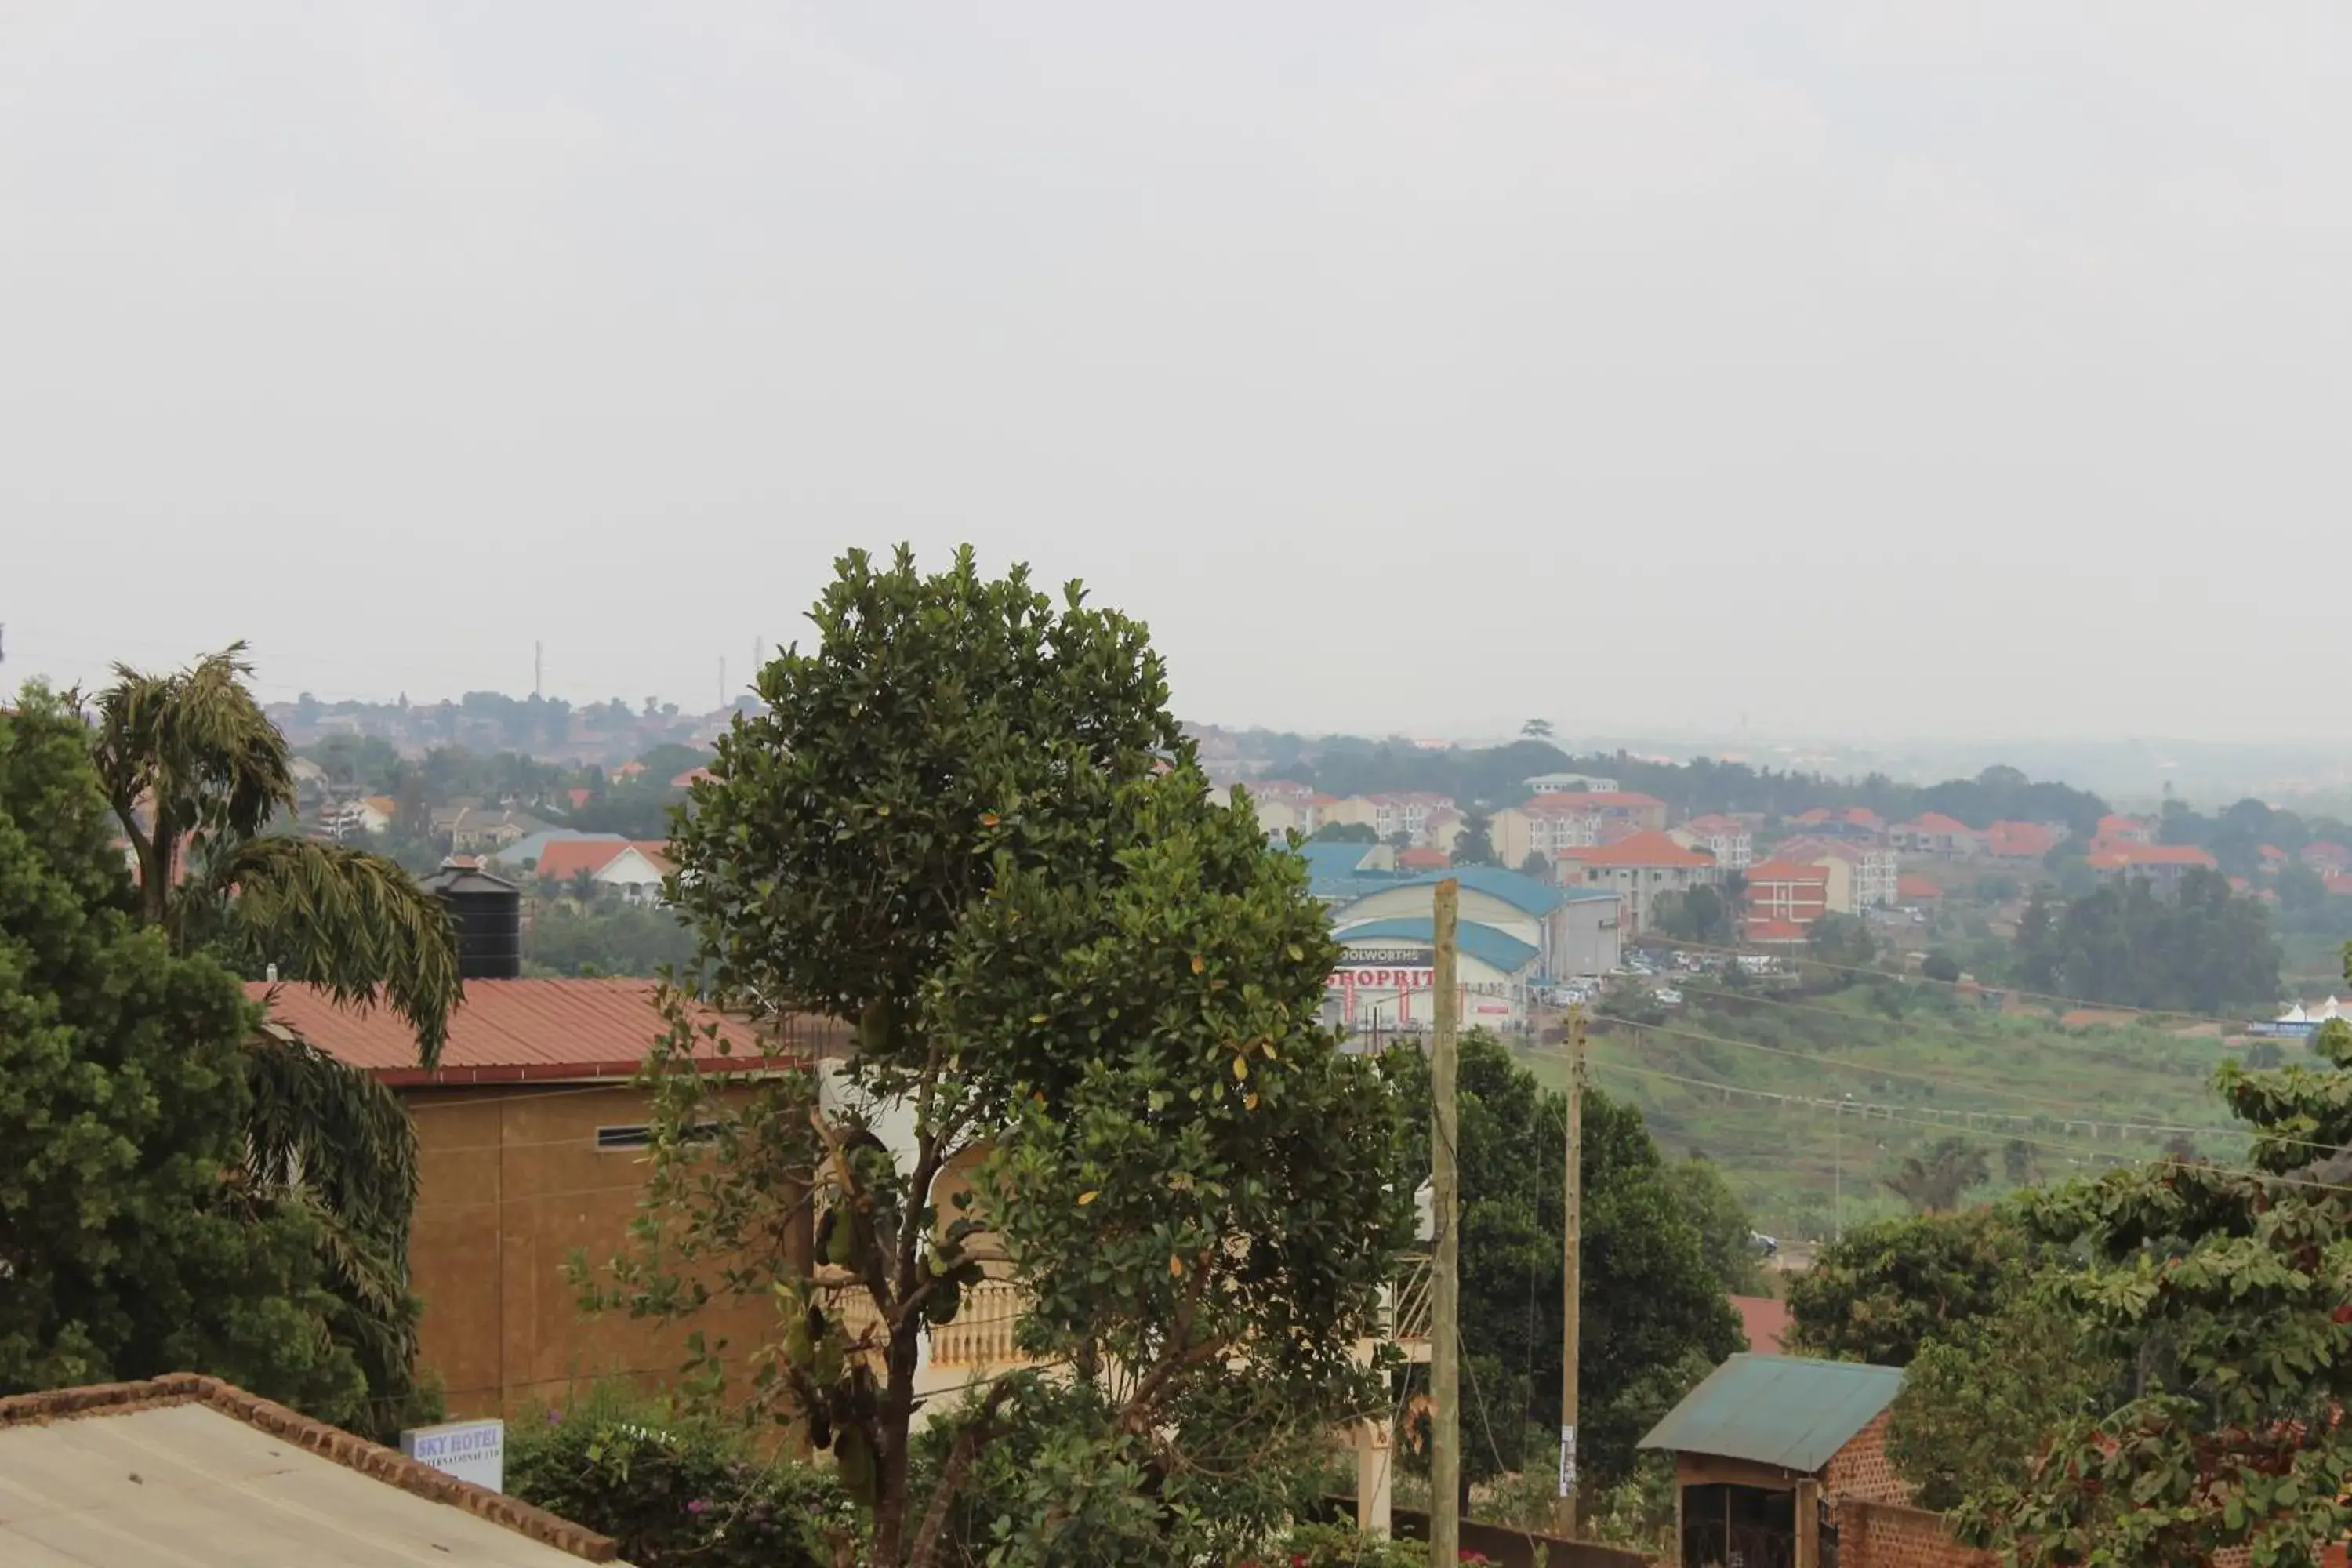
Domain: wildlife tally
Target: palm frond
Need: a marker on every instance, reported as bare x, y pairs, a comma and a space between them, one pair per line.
354, 923
194, 754
329, 1140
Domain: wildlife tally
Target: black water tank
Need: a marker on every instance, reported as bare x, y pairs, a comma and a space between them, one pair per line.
489, 915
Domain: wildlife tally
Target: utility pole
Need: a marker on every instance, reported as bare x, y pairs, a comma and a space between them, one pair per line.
1563, 1514
1445, 1280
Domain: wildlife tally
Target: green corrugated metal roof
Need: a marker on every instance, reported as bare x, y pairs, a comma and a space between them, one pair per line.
1789, 1411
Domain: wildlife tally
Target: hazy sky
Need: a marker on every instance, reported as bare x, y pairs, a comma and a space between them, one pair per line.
1871, 368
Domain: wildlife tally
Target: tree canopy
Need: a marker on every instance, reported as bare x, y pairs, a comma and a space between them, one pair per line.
2203, 949
133, 1240
1879, 1294
967, 824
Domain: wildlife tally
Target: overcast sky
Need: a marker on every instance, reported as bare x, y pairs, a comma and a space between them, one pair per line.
1877, 369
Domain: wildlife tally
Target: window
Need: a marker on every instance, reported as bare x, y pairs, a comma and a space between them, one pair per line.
638, 1135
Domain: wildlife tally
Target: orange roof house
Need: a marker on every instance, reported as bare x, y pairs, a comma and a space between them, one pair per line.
2018, 840
1649, 848
1914, 889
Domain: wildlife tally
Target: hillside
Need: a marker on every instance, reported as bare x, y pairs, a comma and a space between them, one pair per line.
1747, 1082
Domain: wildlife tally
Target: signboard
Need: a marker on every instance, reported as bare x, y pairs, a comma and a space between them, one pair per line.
1381, 977
1385, 957
2282, 1031
1568, 1461
472, 1451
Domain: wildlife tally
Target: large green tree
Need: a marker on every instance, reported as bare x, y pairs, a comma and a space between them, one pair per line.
967, 824
1657, 1317
198, 779
1884, 1290
133, 1240
2228, 1292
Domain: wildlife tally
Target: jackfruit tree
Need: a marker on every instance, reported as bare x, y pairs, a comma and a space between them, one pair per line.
1084, 1002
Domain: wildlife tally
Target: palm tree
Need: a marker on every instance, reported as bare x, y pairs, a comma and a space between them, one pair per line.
198, 775
1937, 1184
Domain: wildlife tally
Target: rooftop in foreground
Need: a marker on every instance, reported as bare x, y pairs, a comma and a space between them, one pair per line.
1789, 1411
188, 1472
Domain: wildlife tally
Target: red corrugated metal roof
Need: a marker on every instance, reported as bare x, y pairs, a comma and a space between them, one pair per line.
505, 1030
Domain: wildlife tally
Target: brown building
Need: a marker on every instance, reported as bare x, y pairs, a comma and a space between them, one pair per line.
532, 1145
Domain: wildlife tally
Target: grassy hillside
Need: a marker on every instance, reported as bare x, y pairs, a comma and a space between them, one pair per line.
2044, 1100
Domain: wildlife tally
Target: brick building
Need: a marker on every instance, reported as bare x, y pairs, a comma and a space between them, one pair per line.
532, 1142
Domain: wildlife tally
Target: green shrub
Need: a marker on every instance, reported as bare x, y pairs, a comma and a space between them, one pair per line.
1336, 1546
674, 1489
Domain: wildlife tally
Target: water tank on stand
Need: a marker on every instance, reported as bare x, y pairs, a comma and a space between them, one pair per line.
488, 913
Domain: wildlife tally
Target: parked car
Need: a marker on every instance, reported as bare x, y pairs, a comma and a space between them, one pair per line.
1667, 996
1762, 1244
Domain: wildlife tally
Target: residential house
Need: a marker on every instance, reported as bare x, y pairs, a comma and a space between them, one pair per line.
1918, 892
2118, 829
1794, 894
2021, 840
1567, 784
2163, 865
1727, 838
1840, 821
1874, 869
1422, 859
524, 854
476, 830
531, 1139
692, 777
1638, 869
1933, 833
2327, 856
1548, 823
351, 818
632, 871
191, 1471
1782, 1459
1284, 806
1407, 814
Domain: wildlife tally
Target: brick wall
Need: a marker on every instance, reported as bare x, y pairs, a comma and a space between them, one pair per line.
1861, 1470
1888, 1535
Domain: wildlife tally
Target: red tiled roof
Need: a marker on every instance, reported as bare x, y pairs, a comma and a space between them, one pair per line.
1778, 870
1765, 1320
1915, 888
689, 778
628, 769
567, 857
2112, 854
1647, 849
1936, 822
2270, 852
1715, 823
2327, 852
504, 1030
1423, 859
2020, 840
579, 797
1764, 930
1565, 803
655, 850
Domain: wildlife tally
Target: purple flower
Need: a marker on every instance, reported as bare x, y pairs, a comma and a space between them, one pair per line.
554, 1416
697, 1506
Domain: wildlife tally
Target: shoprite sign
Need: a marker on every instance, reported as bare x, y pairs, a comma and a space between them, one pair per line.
1352, 976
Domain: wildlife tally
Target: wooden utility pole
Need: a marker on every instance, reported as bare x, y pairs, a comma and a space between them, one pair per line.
1446, 1282
1563, 1513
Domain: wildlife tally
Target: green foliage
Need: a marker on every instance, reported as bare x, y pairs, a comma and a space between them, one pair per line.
608, 939
967, 823
1336, 1546
1879, 1294
1725, 1230
1655, 1315
2201, 949
1984, 1393
2225, 1291
1696, 914
674, 1488
1346, 833
1941, 965
1936, 1181
1476, 846
130, 1242
1842, 940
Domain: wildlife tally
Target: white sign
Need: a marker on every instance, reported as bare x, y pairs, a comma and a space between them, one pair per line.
1567, 1461
472, 1451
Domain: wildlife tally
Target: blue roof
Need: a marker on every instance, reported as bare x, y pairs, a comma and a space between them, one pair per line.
1496, 949
1789, 1411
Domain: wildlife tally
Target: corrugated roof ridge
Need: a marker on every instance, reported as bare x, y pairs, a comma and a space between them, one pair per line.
348, 1449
